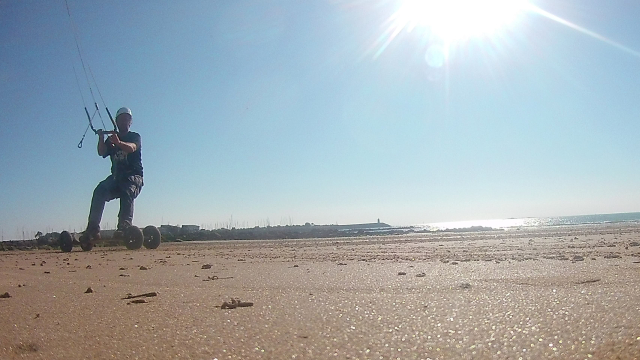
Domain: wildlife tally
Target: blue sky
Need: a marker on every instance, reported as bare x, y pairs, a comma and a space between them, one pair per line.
286, 111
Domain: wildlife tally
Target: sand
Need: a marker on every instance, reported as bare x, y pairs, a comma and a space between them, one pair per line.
566, 293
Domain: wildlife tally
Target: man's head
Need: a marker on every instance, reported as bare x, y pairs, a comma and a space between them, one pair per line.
123, 120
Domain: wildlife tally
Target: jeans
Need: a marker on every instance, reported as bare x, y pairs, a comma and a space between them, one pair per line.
127, 189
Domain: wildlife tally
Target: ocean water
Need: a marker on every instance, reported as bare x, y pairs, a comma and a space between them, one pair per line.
517, 223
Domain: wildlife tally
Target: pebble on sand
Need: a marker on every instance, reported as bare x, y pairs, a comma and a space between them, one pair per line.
5, 296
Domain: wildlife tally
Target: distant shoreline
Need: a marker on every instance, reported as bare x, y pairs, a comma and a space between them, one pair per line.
49, 241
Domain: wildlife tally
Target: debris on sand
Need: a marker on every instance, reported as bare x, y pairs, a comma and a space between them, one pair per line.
421, 275
131, 296
587, 281
89, 290
137, 301
5, 296
88, 267
144, 268
215, 277
402, 273
235, 303
27, 348
206, 266
465, 286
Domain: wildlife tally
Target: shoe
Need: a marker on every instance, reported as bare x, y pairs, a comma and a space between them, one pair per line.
120, 231
93, 232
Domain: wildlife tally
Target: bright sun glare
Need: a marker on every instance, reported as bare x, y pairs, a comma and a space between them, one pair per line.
447, 22
454, 20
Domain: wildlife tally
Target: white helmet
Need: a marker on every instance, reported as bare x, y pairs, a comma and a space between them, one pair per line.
123, 110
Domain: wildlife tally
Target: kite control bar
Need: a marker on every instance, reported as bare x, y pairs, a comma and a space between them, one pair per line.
97, 131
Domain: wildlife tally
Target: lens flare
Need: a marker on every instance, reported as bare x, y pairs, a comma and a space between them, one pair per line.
436, 56
578, 28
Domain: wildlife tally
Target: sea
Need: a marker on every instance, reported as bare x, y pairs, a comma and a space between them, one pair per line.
531, 222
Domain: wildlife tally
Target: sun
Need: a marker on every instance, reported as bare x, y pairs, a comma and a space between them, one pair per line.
448, 23
456, 20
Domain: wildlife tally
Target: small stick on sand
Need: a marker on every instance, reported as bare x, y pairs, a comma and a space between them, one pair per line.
149, 294
234, 303
587, 281
137, 301
214, 277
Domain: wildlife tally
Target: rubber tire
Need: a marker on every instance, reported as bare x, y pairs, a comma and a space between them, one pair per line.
65, 241
85, 243
133, 238
152, 237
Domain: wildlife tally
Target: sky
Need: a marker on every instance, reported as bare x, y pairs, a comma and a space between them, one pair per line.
326, 111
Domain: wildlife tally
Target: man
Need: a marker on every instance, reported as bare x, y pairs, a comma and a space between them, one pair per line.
125, 181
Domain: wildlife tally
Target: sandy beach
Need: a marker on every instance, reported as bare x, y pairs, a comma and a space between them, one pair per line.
565, 293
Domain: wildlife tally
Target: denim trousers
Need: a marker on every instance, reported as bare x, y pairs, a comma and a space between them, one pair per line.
126, 189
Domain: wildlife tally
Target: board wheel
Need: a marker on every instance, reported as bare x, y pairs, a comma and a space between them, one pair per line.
133, 238
85, 242
152, 237
65, 241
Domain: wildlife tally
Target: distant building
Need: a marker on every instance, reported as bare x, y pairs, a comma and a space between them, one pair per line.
169, 229
187, 229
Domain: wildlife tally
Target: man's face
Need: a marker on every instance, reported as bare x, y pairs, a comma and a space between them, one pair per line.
124, 123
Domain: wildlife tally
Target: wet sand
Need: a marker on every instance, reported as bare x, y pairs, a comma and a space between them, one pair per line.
567, 293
